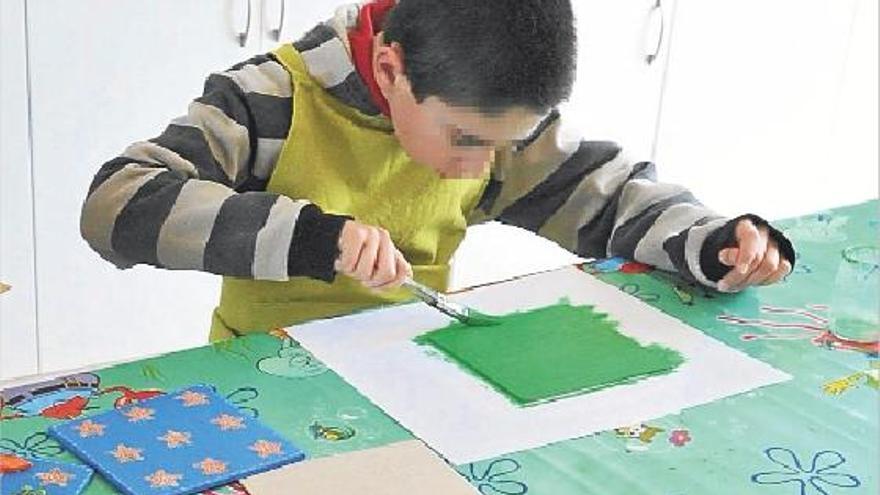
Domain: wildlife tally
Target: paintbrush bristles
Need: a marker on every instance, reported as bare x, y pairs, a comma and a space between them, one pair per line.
439, 301
477, 319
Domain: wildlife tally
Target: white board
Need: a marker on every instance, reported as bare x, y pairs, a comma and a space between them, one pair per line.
465, 420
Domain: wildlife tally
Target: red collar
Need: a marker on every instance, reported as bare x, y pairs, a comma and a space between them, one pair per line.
370, 20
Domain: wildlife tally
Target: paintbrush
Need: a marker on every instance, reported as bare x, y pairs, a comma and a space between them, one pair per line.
460, 312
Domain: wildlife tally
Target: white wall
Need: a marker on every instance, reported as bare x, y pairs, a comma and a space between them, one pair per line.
771, 107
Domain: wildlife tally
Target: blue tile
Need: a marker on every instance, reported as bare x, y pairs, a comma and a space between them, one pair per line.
182, 442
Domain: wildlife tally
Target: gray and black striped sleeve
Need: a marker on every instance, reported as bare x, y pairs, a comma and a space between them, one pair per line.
592, 199
194, 197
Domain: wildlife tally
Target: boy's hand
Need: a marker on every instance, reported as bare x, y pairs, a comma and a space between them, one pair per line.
755, 259
367, 254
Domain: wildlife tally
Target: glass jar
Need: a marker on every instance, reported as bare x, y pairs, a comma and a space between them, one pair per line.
855, 301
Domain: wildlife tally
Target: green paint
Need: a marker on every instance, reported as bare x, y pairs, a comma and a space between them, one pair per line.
551, 352
477, 319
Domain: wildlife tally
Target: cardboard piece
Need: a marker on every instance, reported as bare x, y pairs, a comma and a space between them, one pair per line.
401, 468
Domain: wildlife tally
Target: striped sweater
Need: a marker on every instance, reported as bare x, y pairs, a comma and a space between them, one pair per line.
194, 198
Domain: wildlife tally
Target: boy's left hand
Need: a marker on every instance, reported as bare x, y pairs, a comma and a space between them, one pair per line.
755, 260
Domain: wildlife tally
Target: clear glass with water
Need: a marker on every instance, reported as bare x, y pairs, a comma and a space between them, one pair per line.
855, 306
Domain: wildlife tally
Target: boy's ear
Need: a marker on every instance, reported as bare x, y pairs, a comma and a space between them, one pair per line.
388, 66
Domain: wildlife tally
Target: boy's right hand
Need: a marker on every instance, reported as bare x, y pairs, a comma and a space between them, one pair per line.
368, 254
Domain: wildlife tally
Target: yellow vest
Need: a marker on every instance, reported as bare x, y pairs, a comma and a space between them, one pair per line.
348, 163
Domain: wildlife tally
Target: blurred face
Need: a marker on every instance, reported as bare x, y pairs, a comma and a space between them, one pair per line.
457, 142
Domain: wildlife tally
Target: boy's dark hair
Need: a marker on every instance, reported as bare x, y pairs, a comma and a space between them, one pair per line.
488, 54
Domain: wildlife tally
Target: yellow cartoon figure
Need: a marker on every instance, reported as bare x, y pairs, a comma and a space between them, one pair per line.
869, 377
645, 433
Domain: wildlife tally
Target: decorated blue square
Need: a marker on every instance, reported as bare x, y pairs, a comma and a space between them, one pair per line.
181, 442
50, 477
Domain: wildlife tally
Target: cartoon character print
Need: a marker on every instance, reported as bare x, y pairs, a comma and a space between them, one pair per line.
291, 360
800, 324
64, 398
866, 378
642, 432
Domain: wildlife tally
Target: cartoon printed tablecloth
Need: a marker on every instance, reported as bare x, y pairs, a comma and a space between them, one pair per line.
816, 434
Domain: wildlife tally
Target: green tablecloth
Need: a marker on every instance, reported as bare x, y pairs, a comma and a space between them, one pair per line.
816, 434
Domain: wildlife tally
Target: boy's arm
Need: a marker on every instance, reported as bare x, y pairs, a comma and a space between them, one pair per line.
194, 197
594, 200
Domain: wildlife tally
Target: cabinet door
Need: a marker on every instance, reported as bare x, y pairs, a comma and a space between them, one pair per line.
752, 101
18, 330
618, 90
104, 75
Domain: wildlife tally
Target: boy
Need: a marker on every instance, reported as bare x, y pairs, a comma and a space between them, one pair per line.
367, 147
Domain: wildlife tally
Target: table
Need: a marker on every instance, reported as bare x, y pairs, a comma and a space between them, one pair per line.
816, 434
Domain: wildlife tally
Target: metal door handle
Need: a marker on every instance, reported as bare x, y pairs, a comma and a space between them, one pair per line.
276, 33
244, 35
656, 24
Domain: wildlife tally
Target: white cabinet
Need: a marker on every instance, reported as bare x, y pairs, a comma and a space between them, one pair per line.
101, 76
756, 114
18, 327
622, 57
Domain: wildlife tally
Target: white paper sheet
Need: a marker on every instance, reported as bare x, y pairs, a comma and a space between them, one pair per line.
493, 252
465, 420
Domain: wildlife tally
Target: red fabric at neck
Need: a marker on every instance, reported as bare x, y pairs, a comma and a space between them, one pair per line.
372, 15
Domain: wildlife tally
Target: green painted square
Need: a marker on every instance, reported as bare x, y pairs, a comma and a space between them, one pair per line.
551, 352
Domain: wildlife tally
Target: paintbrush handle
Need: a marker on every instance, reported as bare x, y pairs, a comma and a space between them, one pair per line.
437, 300
423, 292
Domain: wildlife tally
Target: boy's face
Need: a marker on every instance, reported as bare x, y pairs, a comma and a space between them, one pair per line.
457, 142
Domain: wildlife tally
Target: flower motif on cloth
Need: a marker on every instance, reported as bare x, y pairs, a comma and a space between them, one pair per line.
136, 414
124, 453
265, 448
55, 476
228, 422
210, 466
174, 439
162, 478
89, 428
679, 437
816, 479
191, 398
499, 476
